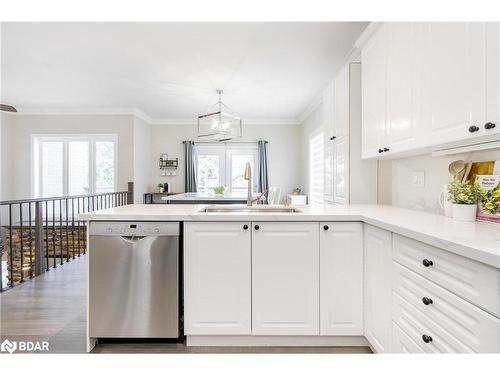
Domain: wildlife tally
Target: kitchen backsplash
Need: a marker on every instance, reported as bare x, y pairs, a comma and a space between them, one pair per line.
404, 192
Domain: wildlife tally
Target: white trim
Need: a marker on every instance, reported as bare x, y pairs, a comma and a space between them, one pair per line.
367, 34
310, 341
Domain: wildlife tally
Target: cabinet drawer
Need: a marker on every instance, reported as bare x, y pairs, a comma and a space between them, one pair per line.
402, 343
476, 329
415, 324
471, 280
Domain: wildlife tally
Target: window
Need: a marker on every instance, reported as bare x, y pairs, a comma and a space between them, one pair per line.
316, 168
74, 164
224, 165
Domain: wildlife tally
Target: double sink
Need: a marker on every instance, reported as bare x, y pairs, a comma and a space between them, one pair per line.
252, 209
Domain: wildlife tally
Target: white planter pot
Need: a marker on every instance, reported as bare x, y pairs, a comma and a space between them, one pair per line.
464, 212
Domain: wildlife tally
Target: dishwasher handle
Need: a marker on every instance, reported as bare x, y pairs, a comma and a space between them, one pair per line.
132, 239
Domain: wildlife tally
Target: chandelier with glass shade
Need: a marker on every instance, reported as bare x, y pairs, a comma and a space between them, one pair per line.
219, 124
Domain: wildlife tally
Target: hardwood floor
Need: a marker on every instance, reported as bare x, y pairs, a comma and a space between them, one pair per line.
51, 308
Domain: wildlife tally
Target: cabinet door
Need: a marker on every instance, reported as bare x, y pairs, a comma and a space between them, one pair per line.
378, 298
329, 176
373, 92
217, 279
341, 108
341, 170
403, 66
285, 278
341, 279
455, 80
493, 78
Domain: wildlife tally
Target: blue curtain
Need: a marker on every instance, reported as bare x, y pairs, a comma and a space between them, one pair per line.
262, 181
190, 172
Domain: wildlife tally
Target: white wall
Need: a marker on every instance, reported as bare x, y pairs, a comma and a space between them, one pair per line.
405, 195
22, 126
142, 159
6, 124
311, 125
283, 152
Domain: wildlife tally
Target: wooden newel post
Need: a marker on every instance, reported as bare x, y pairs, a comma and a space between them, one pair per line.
39, 251
130, 193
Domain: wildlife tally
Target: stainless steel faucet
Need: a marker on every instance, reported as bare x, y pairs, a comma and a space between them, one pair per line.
248, 177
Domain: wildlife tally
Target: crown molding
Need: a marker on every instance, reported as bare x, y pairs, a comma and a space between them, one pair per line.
366, 34
311, 107
141, 115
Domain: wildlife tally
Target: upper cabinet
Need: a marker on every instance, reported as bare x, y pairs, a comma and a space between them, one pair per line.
454, 81
428, 85
402, 79
492, 125
341, 100
373, 92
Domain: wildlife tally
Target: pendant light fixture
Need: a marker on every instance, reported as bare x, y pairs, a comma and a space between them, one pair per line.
219, 124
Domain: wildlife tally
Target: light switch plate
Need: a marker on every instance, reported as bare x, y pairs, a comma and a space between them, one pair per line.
418, 179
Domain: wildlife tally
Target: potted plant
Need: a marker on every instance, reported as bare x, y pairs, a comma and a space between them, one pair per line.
464, 198
160, 187
219, 190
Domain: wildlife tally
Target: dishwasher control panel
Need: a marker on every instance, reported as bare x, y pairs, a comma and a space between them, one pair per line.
138, 228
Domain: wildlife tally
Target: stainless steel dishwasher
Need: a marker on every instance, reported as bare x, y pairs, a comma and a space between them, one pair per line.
134, 280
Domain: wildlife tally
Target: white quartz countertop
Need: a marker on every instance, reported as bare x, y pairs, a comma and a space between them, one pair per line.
207, 197
479, 241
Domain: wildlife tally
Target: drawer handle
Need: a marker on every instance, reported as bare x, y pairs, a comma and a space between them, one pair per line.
473, 129
245, 227
427, 301
256, 227
489, 125
427, 263
325, 227
427, 339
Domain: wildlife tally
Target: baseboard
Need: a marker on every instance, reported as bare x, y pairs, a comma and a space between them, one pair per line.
276, 341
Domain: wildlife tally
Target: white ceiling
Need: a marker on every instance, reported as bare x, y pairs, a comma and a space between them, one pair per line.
171, 70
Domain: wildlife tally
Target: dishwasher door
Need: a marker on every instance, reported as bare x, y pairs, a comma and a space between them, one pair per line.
134, 280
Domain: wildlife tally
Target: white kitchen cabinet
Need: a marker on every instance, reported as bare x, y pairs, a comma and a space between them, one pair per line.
378, 288
454, 81
217, 278
374, 86
492, 125
428, 86
403, 84
340, 161
341, 107
341, 279
285, 278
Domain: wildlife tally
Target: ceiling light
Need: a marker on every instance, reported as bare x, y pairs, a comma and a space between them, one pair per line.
219, 125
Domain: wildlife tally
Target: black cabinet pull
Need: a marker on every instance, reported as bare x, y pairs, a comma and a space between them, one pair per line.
245, 227
489, 125
473, 129
380, 150
427, 263
256, 227
427, 301
332, 138
427, 339
386, 149
325, 227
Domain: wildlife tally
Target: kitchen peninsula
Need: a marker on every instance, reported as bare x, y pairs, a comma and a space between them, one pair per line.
393, 279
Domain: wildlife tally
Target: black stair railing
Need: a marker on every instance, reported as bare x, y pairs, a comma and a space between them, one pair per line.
39, 234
